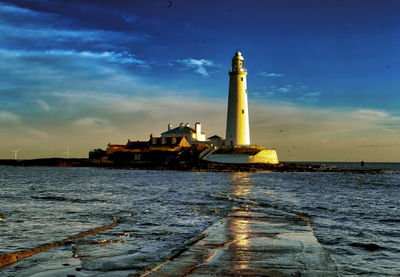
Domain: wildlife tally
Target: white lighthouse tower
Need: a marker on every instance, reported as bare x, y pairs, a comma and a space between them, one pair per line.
237, 148
237, 124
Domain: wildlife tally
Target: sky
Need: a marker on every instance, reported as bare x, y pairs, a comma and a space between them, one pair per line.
323, 76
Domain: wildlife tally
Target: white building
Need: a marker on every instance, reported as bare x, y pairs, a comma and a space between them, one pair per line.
192, 135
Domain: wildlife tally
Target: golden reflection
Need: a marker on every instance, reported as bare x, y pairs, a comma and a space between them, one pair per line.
242, 183
239, 222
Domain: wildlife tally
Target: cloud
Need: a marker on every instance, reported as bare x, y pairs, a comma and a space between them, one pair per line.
68, 86
130, 17
323, 134
391, 130
272, 74
113, 118
312, 94
88, 81
46, 72
43, 105
92, 122
283, 89
115, 57
11, 11
38, 133
198, 65
9, 118
370, 115
41, 30
293, 93
48, 55
90, 99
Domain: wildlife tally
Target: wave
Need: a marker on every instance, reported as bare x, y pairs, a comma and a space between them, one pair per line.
367, 246
61, 198
390, 220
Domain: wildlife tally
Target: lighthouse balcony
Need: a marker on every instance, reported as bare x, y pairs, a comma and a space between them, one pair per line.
237, 70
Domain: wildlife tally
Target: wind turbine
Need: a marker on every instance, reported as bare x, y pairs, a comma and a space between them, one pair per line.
67, 153
15, 153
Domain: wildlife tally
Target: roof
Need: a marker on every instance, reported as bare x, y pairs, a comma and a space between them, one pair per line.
215, 137
116, 145
179, 130
137, 144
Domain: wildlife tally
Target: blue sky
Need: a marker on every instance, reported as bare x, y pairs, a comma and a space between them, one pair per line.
323, 75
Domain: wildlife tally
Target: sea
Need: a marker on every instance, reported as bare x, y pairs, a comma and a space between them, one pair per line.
355, 216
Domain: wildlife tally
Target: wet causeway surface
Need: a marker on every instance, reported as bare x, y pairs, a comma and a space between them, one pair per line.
252, 241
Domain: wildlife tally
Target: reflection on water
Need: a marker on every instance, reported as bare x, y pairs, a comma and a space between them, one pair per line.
238, 224
241, 183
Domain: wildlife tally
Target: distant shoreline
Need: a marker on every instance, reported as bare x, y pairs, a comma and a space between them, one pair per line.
199, 166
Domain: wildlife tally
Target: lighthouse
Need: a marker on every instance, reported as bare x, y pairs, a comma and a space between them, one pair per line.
237, 124
237, 148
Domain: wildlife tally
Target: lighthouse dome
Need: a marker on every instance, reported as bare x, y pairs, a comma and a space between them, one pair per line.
238, 56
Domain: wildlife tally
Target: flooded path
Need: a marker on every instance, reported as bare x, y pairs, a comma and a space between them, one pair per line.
252, 240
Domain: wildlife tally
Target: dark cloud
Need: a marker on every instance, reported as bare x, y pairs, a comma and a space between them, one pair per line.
42, 30
113, 16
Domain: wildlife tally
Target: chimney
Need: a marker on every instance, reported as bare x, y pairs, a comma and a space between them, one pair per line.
187, 125
169, 127
198, 130
181, 125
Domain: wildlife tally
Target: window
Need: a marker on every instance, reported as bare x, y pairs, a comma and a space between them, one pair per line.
242, 111
242, 78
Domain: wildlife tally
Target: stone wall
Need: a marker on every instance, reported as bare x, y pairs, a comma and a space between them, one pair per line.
264, 156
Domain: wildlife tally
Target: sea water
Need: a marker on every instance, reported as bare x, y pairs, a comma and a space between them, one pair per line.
355, 216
